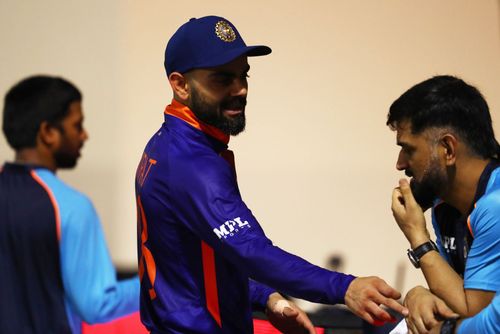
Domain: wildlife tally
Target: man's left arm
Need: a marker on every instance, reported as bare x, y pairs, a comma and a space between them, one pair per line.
88, 274
440, 276
487, 321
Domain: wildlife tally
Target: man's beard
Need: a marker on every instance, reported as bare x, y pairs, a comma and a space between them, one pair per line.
212, 114
427, 190
64, 160
66, 156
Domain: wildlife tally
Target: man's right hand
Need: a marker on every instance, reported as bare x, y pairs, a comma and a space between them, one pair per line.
426, 310
365, 295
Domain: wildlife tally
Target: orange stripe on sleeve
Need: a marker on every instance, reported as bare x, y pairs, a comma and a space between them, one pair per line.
211, 293
468, 223
52, 200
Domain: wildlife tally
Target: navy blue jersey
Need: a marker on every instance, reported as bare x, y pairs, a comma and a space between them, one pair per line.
201, 250
471, 245
31, 288
454, 229
56, 268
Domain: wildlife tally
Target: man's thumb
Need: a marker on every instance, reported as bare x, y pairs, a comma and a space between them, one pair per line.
445, 311
290, 312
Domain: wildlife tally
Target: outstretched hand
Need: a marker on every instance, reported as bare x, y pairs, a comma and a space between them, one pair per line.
365, 295
287, 317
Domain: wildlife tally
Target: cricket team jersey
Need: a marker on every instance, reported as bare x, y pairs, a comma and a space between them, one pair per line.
31, 287
56, 269
471, 244
204, 260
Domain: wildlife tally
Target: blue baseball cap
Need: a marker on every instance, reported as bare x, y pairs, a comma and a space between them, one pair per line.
207, 42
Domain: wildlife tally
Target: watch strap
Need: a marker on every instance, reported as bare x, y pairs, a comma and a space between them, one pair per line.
448, 326
424, 248
416, 254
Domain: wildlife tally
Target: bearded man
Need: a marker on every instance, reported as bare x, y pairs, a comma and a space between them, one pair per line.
204, 260
57, 271
449, 150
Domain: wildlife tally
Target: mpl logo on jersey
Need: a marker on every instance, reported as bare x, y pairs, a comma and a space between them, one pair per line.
230, 227
449, 244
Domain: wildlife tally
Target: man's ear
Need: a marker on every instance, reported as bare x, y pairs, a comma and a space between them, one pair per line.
449, 143
48, 134
179, 85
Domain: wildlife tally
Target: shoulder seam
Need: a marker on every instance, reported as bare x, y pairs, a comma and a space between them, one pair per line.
52, 198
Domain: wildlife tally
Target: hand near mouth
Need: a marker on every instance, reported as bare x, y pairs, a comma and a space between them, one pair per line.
409, 214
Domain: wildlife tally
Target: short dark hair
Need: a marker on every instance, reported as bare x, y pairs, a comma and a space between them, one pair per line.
447, 101
32, 101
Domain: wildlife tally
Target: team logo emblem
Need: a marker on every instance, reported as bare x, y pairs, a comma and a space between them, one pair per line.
224, 31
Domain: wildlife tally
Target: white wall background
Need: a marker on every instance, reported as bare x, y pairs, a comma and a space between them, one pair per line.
316, 163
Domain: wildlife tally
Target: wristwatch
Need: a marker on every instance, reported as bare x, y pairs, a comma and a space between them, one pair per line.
416, 254
448, 326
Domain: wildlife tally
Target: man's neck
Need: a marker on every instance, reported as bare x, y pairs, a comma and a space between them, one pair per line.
32, 156
464, 184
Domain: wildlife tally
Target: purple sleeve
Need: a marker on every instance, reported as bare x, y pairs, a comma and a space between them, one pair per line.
259, 294
230, 228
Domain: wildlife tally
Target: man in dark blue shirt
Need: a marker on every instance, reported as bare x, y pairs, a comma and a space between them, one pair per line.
56, 269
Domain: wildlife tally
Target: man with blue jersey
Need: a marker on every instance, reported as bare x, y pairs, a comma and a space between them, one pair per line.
449, 149
56, 269
204, 260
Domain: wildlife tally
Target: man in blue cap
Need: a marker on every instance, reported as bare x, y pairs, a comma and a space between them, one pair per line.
204, 260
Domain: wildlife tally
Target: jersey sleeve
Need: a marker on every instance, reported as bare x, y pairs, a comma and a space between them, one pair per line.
89, 276
210, 205
486, 321
259, 294
483, 262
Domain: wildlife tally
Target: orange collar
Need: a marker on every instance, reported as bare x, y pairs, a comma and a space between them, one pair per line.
183, 112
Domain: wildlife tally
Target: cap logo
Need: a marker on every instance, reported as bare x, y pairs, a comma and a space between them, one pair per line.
224, 31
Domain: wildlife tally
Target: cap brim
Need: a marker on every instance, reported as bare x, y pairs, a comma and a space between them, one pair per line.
258, 50
230, 55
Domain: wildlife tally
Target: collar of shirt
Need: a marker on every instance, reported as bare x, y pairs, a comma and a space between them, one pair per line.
17, 166
183, 112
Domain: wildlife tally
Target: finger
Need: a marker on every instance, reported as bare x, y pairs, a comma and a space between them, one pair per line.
387, 290
395, 306
420, 326
397, 199
411, 326
366, 316
379, 313
289, 312
444, 311
280, 305
405, 188
304, 320
429, 323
